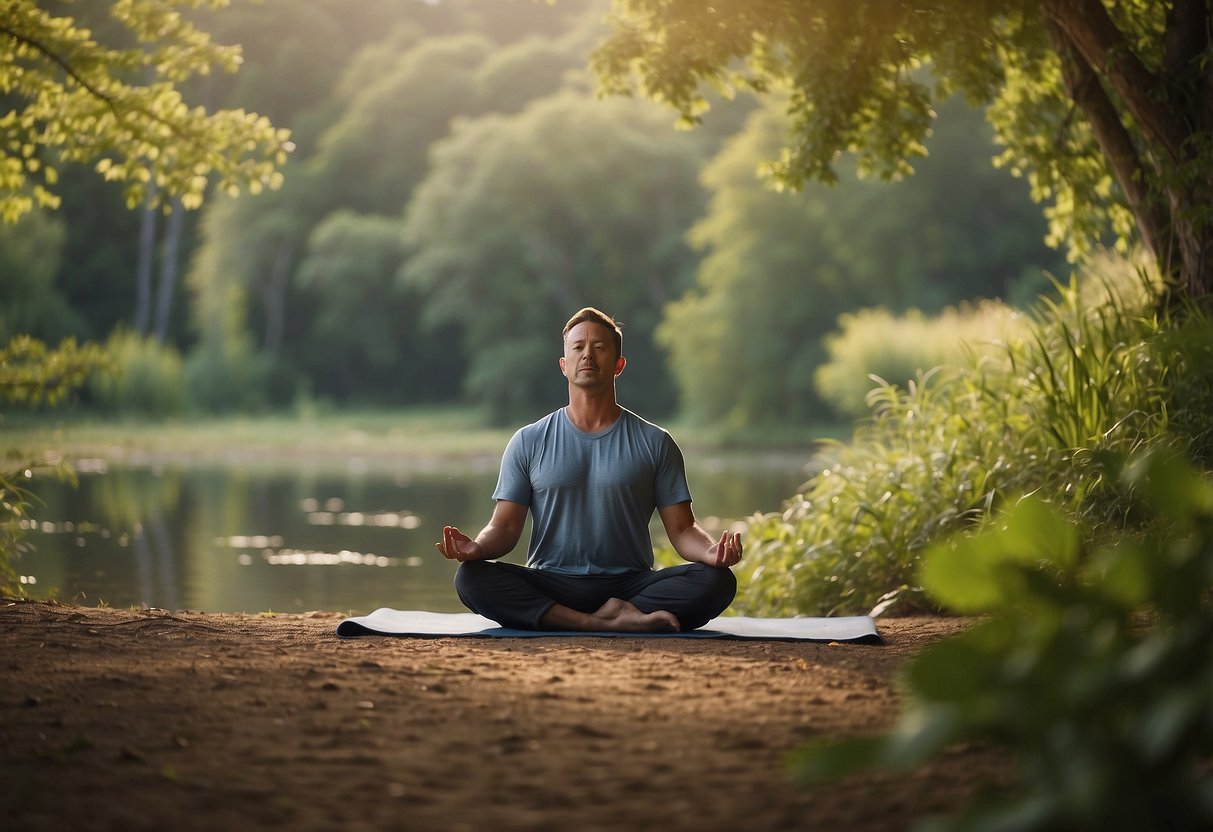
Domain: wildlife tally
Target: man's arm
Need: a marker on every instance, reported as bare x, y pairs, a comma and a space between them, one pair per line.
495, 540
692, 543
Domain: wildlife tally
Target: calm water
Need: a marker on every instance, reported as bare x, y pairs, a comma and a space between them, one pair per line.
232, 539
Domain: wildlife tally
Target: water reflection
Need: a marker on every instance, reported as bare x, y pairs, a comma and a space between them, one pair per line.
230, 539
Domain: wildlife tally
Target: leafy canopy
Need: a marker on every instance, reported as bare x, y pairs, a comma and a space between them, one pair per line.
1097, 104
117, 105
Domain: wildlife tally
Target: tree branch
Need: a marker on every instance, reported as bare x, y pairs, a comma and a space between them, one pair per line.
1083, 85
114, 105
56, 59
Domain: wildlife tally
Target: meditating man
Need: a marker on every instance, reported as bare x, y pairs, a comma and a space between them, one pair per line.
591, 474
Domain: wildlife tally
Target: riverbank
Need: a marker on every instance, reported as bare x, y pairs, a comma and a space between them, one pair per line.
141, 719
373, 436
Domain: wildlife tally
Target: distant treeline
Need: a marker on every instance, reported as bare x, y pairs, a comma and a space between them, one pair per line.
458, 189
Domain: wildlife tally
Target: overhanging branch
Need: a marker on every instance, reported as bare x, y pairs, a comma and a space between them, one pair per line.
114, 105
59, 61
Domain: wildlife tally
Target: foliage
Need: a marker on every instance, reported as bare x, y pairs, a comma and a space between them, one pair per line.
30, 254
1103, 106
31, 375
506, 245
898, 348
1092, 666
15, 500
372, 157
308, 275
1094, 377
778, 267
143, 378
226, 377
79, 104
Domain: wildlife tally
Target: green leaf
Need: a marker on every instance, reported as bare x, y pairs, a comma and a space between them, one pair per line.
971, 575
1123, 573
1172, 486
962, 667
826, 761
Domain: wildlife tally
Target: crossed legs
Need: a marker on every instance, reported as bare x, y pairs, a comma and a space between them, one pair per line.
677, 598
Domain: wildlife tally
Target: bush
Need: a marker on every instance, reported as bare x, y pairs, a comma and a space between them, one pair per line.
1101, 372
1092, 668
144, 378
231, 379
898, 349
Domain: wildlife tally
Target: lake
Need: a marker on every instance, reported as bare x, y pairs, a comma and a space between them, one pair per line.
291, 537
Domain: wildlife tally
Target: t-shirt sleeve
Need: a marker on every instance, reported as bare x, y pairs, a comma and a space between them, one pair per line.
670, 483
514, 479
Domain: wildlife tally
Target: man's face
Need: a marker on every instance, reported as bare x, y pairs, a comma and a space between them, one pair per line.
589, 358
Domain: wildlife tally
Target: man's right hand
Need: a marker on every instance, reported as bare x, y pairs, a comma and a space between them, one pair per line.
456, 545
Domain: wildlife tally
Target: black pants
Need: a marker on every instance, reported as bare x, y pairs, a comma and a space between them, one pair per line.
516, 596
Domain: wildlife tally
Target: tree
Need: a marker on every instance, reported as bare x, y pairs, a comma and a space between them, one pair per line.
780, 267
373, 155
525, 218
77, 102
30, 252
1106, 107
364, 338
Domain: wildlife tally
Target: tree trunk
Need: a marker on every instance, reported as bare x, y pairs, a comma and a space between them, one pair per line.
1162, 172
144, 257
169, 267
1194, 237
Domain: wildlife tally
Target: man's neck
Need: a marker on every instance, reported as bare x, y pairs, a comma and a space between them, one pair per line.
592, 413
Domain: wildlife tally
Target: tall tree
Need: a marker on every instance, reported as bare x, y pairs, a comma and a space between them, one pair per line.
525, 218
780, 267
1106, 106
375, 152
76, 103
30, 251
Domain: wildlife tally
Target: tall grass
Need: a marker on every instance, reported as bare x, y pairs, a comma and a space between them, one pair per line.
1103, 370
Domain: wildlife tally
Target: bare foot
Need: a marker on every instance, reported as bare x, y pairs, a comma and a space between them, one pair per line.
619, 615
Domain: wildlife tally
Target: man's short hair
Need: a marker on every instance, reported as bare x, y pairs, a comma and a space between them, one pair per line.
597, 316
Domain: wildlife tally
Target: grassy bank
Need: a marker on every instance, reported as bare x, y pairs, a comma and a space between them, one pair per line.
370, 435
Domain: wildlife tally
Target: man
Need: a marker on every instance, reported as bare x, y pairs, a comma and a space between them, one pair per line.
591, 475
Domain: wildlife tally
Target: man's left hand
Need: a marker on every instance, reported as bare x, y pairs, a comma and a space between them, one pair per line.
726, 551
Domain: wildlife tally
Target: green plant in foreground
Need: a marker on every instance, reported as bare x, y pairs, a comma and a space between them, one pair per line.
1094, 668
32, 374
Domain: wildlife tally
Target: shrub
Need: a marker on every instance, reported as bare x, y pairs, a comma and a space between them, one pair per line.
228, 379
897, 349
1103, 370
1093, 667
143, 379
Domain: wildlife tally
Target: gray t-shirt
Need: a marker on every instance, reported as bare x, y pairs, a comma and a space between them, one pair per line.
591, 495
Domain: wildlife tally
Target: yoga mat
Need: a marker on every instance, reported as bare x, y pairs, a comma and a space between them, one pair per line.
418, 623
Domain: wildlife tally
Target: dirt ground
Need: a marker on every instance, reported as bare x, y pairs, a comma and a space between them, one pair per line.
116, 719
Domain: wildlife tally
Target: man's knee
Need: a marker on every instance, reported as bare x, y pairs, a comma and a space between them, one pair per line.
716, 587
471, 579
718, 583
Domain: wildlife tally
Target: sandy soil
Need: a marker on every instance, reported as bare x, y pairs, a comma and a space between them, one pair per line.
144, 719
